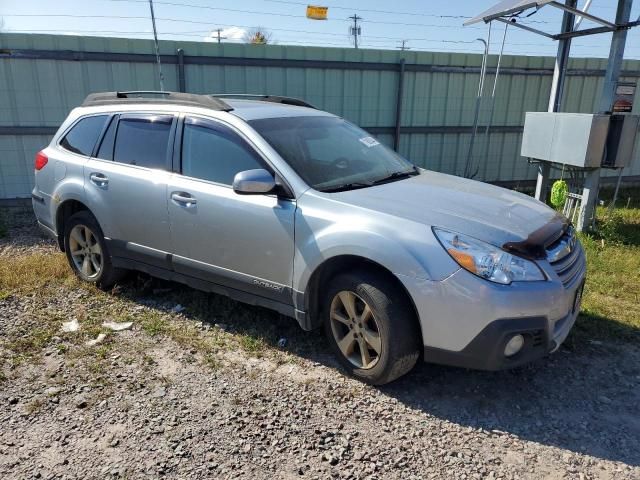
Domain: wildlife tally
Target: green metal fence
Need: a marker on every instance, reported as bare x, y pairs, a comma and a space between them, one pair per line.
43, 76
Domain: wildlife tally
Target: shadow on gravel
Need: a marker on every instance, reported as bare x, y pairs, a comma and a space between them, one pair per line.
584, 398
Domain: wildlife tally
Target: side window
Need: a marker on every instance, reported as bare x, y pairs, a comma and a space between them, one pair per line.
214, 152
143, 140
105, 151
84, 134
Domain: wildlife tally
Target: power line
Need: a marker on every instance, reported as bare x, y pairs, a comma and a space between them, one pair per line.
188, 5
370, 38
335, 7
297, 42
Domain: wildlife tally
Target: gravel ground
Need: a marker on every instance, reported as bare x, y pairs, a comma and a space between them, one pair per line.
142, 404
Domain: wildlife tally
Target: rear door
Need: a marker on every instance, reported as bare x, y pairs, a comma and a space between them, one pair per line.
242, 241
126, 184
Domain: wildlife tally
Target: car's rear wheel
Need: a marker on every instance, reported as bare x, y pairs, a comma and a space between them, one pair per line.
371, 326
87, 251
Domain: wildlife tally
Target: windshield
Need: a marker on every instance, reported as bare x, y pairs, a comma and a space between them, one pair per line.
330, 154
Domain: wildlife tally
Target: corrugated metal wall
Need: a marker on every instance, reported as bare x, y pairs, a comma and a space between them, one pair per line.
438, 98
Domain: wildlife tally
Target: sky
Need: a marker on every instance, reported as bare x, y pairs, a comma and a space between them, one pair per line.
432, 25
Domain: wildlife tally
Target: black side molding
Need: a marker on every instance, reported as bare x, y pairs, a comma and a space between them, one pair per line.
533, 246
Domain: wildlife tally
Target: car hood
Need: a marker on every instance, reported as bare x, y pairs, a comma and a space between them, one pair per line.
487, 212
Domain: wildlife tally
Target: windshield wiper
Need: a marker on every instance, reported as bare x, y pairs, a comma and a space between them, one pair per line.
346, 186
397, 175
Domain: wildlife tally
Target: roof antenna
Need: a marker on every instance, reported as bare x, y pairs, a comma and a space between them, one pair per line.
155, 39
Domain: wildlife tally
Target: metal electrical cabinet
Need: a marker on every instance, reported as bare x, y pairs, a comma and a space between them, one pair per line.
576, 139
582, 140
621, 141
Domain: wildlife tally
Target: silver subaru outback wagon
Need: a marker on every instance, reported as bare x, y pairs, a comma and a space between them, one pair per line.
275, 203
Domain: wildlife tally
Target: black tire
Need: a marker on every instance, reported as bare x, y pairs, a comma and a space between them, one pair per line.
107, 275
395, 320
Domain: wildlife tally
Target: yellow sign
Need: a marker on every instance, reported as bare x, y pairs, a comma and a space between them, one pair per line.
317, 13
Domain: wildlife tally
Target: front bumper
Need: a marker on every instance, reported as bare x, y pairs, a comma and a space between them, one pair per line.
466, 321
486, 350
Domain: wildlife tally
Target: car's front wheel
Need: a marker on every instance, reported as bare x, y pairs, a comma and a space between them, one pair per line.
371, 326
87, 251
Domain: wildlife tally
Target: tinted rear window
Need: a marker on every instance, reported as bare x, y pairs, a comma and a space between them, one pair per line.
83, 135
143, 141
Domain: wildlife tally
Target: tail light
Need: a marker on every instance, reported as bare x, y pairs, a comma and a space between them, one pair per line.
40, 161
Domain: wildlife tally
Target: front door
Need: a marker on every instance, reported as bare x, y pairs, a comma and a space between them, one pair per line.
240, 241
126, 186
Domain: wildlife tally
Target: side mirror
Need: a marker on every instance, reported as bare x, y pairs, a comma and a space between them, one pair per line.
254, 182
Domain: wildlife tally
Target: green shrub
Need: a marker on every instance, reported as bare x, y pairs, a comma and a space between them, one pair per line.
610, 227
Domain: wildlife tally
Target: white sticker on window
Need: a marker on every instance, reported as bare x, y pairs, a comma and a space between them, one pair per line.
369, 141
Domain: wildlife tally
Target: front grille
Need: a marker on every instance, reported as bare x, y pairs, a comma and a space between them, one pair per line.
566, 257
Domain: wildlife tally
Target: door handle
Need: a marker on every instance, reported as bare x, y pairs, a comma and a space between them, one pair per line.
183, 198
99, 179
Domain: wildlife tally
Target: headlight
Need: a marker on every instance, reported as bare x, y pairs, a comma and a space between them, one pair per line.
487, 261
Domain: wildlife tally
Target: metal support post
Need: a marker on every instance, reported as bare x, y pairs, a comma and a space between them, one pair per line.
483, 73
611, 77
396, 136
181, 80
557, 87
542, 184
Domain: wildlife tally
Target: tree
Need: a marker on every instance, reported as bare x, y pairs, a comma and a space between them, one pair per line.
258, 36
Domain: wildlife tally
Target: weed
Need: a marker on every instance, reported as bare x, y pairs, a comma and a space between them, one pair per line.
252, 344
148, 360
610, 227
154, 324
211, 361
34, 406
32, 341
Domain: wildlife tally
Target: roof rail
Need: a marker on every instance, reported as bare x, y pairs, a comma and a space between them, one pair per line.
266, 98
151, 96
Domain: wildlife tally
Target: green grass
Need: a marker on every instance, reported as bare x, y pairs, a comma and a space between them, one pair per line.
26, 274
611, 305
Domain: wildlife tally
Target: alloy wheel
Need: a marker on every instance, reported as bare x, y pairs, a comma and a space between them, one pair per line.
85, 251
355, 329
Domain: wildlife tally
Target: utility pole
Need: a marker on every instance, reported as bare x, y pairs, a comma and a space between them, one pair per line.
155, 39
218, 31
355, 30
404, 45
